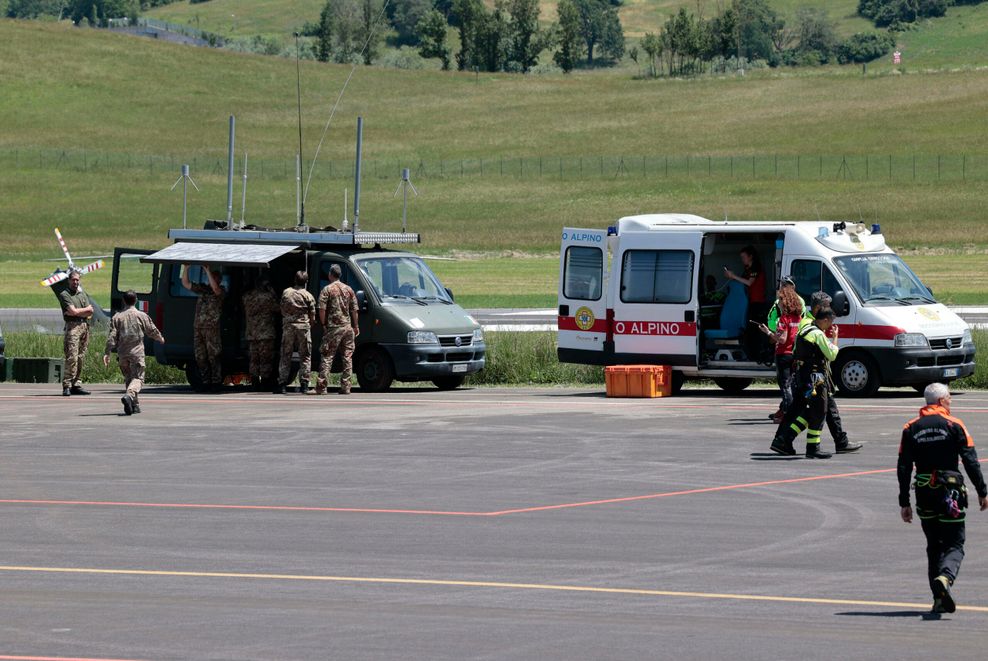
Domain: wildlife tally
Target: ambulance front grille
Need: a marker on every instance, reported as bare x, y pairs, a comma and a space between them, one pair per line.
940, 344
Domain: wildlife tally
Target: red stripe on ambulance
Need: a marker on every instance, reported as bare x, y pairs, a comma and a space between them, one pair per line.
569, 324
661, 328
868, 332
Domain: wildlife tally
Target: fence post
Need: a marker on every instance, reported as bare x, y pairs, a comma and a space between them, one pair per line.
85, 161
708, 165
964, 167
667, 167
914, 167
732, 167
481, 167
602, 166
938, 167
867, 165
687, 166
643, 167
821, 166
752, 166
776, 166
797, 167
890, 167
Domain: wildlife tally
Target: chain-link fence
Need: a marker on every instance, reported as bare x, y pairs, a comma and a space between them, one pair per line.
857, 167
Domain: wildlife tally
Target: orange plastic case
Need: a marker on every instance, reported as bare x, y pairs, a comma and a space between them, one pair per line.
638, 380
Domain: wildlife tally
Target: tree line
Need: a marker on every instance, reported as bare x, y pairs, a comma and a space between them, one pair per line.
95, 12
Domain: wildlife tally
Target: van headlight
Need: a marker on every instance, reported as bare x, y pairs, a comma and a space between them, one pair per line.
478, 335
422, 337
967, 337
911, 340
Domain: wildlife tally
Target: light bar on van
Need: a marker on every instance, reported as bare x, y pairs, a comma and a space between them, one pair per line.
911, 340
422, 337
967, 338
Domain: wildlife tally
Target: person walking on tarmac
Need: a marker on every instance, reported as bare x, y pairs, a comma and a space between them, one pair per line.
934, 442
207, 341
812, 354
128, 328
818, 301
782, 332
338, 316
298, 311
77, 311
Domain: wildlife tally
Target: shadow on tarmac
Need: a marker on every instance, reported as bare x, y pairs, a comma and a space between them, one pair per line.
921, 615
771, 456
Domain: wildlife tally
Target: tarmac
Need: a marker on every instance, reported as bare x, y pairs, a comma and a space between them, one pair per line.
519, 523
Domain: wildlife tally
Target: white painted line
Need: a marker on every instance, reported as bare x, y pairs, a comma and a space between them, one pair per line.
969, 310
520, 328
526, 313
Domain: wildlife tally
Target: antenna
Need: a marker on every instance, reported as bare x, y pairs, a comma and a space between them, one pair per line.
403, 186
229, 176
186, 179
356, 184
346, 223
298, 89
300, 224
243, 203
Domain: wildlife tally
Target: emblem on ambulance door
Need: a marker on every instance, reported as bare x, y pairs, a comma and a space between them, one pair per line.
584, 318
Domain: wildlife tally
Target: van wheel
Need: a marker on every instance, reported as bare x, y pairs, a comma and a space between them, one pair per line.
374, 370
678, 380
449, 382
194, 378
856, 374
733, 385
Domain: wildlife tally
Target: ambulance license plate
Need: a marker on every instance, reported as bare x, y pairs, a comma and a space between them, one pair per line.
951, 371
463, 368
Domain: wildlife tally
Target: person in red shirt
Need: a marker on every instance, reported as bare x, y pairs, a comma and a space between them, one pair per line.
753, 278
791, 313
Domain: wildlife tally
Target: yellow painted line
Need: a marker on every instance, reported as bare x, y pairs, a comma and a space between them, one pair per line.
488, 584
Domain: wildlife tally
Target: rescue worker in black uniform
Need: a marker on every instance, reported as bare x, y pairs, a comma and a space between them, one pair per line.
818, 301
933, 442
812, 354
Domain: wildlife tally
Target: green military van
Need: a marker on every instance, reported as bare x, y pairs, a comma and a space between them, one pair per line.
410, 327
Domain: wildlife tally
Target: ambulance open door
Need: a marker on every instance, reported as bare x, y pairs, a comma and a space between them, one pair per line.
655, 299
582, 303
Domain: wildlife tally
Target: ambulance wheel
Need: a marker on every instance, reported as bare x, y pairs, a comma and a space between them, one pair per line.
733, 385
856, 374
374, 370
678, 380
449, 382
194, 378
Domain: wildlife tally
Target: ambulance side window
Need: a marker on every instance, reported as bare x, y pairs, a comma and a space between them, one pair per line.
583, 273
657, 276
812, 276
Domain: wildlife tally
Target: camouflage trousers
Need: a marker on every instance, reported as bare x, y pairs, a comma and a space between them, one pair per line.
262, 364
132, 368
75, 343
208, 349
295, 338
336, 339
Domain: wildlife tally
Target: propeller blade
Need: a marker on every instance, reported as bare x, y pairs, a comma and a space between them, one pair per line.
61, 242
93, 267
58, 276
59, 259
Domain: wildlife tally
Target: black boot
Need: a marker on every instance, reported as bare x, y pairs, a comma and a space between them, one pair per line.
941, 591
813, 451
279, 389
303, 387
783, 446
128, 404
137, 408
845, 446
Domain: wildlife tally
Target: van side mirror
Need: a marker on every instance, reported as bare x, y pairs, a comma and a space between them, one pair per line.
449, 292
842, 307
362, 300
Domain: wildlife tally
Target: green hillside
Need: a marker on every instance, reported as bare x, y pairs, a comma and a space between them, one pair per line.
128, 110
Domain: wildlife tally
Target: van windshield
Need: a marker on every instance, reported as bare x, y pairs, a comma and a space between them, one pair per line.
883, 279
403, 277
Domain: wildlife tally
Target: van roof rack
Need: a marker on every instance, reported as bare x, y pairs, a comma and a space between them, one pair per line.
308, 239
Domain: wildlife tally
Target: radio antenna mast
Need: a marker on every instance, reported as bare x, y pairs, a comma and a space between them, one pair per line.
243, 202
298, 88
403, 186
185, 178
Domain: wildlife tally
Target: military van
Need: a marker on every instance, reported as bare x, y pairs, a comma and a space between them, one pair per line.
410, 327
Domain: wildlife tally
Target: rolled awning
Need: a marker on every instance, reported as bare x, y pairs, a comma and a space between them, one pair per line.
218, 254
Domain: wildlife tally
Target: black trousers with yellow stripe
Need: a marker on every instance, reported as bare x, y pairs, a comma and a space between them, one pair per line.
944, 545
808, 412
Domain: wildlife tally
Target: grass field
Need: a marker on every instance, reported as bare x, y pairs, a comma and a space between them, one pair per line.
83, 89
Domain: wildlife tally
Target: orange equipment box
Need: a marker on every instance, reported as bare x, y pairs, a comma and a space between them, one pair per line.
638, 380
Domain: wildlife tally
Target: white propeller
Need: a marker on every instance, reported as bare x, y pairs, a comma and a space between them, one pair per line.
58, 276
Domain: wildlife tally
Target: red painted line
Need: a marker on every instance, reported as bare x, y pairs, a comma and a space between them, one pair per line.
690, 492
521, 510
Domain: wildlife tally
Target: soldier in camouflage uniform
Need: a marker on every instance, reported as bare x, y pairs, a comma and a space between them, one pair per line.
207, 341
127, 331
298, 311
338, 315
260, 309
78, 314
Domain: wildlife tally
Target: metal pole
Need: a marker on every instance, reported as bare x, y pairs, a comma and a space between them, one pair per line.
356, 183
229, 177
243, 202
185, 194
298, 190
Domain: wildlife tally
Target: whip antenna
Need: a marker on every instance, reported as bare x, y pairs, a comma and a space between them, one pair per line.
298, 88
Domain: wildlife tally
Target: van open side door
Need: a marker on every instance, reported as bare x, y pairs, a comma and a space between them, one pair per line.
654, 294
582, 303
129, 272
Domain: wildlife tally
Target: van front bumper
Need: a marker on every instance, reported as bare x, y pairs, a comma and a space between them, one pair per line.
421, 362
908, 367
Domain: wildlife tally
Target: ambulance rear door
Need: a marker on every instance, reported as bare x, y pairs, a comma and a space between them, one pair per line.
655, 298
582, 308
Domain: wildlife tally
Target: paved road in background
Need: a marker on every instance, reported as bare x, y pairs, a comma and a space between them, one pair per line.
472, 524
492, 319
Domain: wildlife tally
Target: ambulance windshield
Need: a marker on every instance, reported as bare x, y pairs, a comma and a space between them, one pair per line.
403, 277
883, 279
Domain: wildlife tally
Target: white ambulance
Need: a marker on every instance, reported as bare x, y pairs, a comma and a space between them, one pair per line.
653, 290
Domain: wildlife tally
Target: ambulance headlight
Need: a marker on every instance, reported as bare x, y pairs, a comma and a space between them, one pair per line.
911, 341
422, 337
478, 335
967, 337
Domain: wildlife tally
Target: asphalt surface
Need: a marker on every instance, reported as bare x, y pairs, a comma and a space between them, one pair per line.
473, 524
